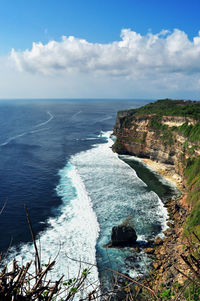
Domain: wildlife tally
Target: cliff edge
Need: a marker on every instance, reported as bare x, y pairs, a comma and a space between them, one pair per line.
168, 132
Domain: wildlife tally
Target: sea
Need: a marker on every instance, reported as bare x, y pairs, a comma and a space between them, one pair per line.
56, 158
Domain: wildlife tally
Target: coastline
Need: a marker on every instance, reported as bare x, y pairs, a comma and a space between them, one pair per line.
166, 171
167, 131
167, 251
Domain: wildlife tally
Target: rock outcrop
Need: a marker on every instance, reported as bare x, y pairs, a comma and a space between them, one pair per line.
123, 235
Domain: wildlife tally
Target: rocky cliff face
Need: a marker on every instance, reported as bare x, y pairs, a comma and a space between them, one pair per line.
168, 132
153, 137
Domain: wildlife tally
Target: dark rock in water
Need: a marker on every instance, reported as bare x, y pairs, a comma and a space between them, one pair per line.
123, 235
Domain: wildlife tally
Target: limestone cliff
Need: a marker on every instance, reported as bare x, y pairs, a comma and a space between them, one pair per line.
157, 136
168, 132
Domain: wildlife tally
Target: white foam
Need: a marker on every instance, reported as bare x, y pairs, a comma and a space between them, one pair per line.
97, 179
45, 122
76, 114
117, 192
23, 134
29, 132
13, 138
105, 118
72, 234
100, 168
37, 131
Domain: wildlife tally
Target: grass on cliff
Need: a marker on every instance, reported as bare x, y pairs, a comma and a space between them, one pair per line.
192, 132
166, 107
192, 173
165, 132
167, 135
170, 107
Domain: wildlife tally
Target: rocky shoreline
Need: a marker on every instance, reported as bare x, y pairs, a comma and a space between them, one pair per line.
165, 136
167, 171
166, 253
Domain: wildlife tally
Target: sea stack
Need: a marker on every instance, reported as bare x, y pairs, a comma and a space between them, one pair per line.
124, 234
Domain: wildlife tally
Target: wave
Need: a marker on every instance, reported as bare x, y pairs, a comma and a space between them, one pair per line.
104, 119
29, 132
117, 192
98, 191
13, 138
45, 122
37, 131
21, 135
72, 233
76, 114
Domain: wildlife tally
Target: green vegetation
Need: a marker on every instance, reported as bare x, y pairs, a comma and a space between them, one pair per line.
161, 129
166, 294
154, 112
168, 137
187, 140
192, 173
118, 147
22, 283
192, 132
192, 292
156, 124
169, 107
192, 170
166, 107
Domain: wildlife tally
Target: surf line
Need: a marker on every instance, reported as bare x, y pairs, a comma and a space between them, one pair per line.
76, 114
12, 138
29, 132
45, 122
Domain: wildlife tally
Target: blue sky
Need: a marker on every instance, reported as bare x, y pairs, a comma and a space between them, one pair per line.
112, 61
25, 22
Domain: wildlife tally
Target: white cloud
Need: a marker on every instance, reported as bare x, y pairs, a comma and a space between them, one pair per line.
151, 66
134, 55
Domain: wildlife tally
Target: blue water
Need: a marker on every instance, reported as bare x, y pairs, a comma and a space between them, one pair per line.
56, 157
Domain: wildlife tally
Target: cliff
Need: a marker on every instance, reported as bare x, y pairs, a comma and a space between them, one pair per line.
168, 132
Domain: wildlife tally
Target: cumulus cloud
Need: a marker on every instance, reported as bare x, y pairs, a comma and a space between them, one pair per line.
134, 55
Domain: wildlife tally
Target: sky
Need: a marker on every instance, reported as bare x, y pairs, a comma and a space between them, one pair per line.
100, 49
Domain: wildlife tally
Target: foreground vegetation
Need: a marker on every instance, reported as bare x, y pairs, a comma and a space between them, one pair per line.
20, 284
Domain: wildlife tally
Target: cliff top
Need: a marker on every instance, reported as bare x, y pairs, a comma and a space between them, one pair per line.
168, 107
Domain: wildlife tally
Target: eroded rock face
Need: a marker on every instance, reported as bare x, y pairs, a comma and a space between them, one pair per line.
123, 235
138, 138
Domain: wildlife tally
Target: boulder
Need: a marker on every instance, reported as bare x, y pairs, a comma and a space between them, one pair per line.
149, 250
159, 241
123, 235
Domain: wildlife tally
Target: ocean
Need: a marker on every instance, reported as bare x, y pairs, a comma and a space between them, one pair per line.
56, 157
